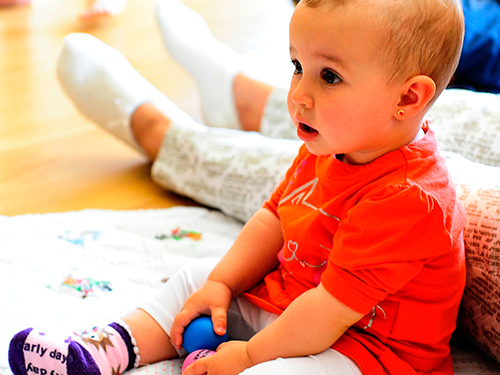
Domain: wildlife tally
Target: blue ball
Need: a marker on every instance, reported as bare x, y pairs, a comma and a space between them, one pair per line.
200, 334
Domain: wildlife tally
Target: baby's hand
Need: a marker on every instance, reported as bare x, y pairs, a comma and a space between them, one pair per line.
213, 299
231, 359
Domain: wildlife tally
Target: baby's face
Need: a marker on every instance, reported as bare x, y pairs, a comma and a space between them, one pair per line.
339, 98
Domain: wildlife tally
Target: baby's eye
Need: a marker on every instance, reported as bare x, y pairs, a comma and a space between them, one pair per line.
330, 77
298, 67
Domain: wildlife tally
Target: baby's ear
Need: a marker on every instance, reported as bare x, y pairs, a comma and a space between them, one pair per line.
416, 94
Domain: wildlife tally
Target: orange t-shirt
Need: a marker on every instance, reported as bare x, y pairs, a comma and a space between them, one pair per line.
385, 239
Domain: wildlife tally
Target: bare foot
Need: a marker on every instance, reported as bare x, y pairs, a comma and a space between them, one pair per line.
99, 9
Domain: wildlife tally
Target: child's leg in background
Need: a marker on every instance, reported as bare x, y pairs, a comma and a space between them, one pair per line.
232, 170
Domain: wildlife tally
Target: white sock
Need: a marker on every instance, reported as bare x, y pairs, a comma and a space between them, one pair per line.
211, 62
105, 87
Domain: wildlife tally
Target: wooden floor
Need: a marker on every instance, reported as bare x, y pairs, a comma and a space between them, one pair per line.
51, 158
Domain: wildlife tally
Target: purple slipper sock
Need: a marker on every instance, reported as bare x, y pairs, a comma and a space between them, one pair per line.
102, 351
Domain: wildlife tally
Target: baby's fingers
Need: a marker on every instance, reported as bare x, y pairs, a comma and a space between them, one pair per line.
180, 322
219, 320
197, 368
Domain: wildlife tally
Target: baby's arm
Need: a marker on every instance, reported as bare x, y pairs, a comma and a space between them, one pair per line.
252, 256
310, 325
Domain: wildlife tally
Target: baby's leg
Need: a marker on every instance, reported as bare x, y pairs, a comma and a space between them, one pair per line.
140, 338
329, 362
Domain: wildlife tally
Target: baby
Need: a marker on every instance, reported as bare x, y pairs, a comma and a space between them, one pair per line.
355, 264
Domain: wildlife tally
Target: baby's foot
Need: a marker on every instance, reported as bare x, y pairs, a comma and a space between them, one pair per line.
102, 351
98, 9
212, 64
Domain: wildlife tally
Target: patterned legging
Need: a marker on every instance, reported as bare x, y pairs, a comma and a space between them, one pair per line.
234, 171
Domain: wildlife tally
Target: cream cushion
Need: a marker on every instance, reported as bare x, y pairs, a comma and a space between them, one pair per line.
468, 124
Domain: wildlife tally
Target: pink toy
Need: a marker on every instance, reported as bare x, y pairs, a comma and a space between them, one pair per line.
194, 356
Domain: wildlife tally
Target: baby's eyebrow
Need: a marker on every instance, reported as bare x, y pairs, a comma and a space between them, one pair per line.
335, 59
325, 56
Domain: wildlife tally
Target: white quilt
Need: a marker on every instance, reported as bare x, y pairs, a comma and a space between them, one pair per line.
132, 250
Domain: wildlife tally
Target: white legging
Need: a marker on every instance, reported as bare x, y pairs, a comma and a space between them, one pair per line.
236, 171
244, 320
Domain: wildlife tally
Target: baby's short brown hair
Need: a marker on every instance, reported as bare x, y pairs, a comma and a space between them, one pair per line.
417, 36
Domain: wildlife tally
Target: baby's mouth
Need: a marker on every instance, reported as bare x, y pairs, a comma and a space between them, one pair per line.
306, 128
305, 132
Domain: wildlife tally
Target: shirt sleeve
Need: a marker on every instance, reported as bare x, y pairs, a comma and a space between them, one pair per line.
382, 244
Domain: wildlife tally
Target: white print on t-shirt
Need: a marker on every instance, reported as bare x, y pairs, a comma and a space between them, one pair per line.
293, 247
374, 314
300, 195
